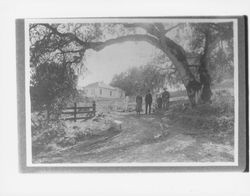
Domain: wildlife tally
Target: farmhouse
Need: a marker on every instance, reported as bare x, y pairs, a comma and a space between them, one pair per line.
102, 90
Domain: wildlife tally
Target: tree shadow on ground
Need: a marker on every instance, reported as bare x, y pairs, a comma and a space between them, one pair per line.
90, 149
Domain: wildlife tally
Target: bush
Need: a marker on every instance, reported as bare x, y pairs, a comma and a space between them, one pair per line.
46, 133
223, 100
218, 116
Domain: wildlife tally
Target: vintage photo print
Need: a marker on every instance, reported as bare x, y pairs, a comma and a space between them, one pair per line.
132, 94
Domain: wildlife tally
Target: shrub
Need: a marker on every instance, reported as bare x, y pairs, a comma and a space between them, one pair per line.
218, 116
223, 100
46, 134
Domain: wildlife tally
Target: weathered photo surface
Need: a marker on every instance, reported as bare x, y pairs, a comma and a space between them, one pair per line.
131, 92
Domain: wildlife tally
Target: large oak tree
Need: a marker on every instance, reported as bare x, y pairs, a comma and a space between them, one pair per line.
66, 44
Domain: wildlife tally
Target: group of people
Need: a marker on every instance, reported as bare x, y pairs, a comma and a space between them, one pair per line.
162, 101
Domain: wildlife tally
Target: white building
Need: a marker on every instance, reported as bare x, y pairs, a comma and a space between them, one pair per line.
102, 90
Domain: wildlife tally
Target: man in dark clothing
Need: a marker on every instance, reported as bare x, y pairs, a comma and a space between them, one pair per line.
165, 99
148, 101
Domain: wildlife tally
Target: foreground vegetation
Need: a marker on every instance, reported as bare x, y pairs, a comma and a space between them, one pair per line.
214, 122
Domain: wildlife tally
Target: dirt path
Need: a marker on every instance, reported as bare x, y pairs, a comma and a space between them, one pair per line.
146, 138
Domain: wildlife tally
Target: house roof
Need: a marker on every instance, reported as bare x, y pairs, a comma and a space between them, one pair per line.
100, 85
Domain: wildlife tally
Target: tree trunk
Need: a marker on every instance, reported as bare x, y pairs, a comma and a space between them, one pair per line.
205, 78
205, 81
178, 56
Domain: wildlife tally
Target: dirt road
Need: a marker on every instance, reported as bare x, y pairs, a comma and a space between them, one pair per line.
146, 138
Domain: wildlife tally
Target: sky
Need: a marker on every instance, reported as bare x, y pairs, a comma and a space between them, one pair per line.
114, 59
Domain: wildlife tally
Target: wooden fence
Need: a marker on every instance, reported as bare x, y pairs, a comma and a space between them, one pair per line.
88, 112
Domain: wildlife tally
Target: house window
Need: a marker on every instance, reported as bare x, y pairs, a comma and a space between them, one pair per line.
110, 93
100, 91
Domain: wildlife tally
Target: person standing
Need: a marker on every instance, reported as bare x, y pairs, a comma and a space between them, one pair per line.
138, 104
165, 99
159, 102
148, 102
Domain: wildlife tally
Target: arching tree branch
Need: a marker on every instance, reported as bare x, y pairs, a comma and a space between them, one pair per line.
155, 36
97, 46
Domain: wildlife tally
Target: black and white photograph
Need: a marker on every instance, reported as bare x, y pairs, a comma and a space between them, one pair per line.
130, 97
136, 92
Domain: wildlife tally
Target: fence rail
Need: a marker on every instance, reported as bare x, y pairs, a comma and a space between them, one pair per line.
90, 112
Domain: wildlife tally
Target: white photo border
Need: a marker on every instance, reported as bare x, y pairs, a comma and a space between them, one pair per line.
121, 20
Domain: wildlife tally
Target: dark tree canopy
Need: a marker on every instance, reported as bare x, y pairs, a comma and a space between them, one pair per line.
52, 87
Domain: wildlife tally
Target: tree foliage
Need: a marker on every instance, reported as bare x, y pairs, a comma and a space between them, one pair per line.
152, 76
53, 62
214, 43
52, 86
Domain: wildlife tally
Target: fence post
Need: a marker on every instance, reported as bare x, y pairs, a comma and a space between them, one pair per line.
94, 108
75, 112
